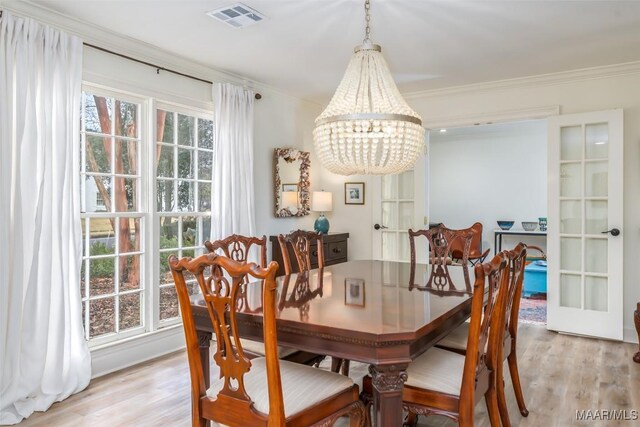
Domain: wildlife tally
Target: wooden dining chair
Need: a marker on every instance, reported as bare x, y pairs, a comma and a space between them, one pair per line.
300, 242
238, 248
441, 382
476, 254
440, 240
457, 340
260, 392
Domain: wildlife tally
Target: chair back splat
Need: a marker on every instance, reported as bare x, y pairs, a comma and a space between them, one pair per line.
237, 247
440, 240
300, 242
221, 280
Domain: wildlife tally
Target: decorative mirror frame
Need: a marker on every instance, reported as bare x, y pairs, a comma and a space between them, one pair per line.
291, 155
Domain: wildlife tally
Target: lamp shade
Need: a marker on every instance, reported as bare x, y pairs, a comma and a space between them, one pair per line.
289, 199
322, 201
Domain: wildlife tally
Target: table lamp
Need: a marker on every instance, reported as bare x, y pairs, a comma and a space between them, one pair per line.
321, 202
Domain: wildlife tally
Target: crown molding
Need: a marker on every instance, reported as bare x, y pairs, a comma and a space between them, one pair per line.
583, 74
135, 48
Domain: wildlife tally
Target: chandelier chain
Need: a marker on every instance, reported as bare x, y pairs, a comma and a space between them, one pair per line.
367, 14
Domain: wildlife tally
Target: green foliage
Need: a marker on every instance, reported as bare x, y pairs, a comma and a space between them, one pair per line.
101, 267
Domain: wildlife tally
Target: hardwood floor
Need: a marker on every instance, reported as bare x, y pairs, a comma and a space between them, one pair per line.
560, 374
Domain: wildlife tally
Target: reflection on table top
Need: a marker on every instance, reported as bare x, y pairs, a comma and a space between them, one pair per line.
370, 297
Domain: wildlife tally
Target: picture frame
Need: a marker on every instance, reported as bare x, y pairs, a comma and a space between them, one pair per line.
354, 292
289, 187
354, 193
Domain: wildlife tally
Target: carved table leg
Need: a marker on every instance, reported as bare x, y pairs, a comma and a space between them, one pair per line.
388, 382
204, 342
636, 320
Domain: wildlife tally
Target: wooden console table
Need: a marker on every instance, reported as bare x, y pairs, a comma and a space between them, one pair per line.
335, 251
498, 233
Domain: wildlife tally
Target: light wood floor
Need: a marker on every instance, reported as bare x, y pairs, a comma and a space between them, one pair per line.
560, 374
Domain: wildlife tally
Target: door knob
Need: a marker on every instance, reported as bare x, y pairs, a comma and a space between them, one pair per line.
379, 227
613, 232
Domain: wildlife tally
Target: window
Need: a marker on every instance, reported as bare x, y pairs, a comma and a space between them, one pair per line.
112, 286
184, 161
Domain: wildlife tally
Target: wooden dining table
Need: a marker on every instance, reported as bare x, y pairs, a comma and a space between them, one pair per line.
363, 311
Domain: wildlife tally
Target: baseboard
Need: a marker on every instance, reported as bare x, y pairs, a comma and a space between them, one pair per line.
122, 354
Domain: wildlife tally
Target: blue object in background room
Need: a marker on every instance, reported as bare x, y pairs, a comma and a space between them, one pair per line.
505, 225
321, 201
535, 278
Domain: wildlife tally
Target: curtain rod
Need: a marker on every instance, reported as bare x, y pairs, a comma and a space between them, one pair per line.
157, 67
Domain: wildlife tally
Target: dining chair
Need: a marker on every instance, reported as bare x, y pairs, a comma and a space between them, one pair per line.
440, 240
476, 254
441, 382
300, 242
264, 391
457, 340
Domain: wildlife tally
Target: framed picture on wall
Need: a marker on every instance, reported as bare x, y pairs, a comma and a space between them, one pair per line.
289, 187
354, 193
354, 292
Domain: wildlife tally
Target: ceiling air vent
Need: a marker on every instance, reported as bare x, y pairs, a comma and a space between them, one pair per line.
237, 15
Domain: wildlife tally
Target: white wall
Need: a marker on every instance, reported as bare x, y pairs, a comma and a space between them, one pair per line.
488, 173
572, 92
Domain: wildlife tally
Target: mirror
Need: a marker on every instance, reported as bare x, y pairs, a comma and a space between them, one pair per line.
291, 182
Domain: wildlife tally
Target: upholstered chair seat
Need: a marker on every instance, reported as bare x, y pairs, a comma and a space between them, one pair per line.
438, 370
302, 386
257, 347
457, 339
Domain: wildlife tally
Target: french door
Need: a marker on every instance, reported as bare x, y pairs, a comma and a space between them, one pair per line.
399, 203
585, 245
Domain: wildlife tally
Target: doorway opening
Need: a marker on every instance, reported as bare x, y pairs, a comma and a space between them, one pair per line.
490, 173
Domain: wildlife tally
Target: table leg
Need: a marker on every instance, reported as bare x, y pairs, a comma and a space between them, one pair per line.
204, 342
388, 382
636, 320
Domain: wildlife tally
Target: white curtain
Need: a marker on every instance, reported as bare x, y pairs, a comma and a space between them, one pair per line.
44, 357
232, 204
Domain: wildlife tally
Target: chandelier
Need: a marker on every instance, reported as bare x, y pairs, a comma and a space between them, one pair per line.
368, 128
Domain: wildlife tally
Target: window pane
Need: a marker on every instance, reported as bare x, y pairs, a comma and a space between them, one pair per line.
597, 141
206, 228
126, 194
102, 238
126, 157
204, 196
101, 276
205, 163
129, 311
571, 143
98, 113
126, 119
168, 303
102, 316
186, 164
186, 126
165, 126
97, 194
190, 231
129, 272
168, 232
165, 271
98, 153
130, 235
83, 269
205, 134
185, 196
165, 161
164, 195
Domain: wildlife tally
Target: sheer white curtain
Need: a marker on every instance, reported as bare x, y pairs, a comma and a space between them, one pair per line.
232, 205
44, 357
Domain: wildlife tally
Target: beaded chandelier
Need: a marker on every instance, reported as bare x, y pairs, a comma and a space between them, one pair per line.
368, 128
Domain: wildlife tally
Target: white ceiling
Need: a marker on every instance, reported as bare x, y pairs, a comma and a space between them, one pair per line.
304, 45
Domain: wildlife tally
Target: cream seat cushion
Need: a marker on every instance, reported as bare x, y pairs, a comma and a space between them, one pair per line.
302, 386
456, 339
437, 370
256, 347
